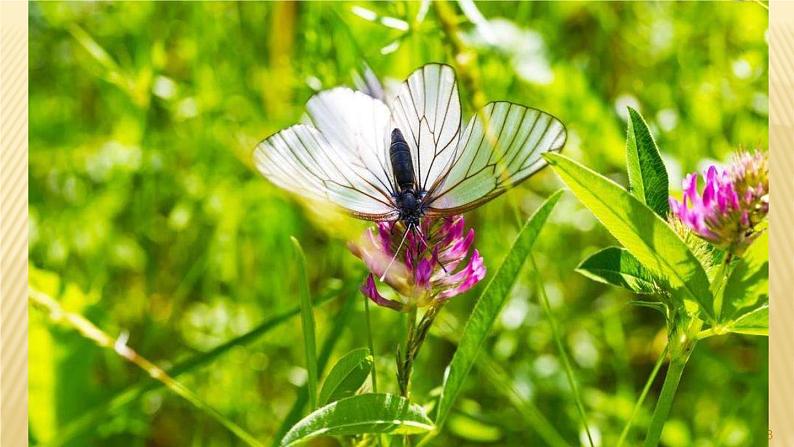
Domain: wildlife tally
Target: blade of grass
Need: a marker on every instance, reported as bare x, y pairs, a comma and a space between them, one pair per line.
133, 392
488, 306
294, 415
90, 331
641, 399
528, 410
544, 301
503, 384
307, 319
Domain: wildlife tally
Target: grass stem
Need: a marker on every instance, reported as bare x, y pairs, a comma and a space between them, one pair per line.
307, 319
118, 345
544, 300
641, 399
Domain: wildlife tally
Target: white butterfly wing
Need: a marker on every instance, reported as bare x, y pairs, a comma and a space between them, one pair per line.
427, 111
358, 127
501, 147
342, 160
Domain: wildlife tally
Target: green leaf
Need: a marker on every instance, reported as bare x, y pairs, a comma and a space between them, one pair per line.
638, 228
655, 305
488, 307
647, 174
332, 337
473, 429
748, 283
618, 267
307, 316
755, 322
365, 413
346, 376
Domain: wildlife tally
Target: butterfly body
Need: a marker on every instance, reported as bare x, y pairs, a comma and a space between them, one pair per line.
407, 198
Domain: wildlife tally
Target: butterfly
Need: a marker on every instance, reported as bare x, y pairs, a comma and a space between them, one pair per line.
410, 159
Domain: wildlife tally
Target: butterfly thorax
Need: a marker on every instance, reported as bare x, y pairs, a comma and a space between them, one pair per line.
408, 197
410, 207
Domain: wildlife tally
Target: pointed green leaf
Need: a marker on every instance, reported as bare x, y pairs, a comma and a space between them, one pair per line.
618, 267
307, 321
755, 322
639, 229
749, 282
647, 174
655, 305
488, 307
346, 376
365, 413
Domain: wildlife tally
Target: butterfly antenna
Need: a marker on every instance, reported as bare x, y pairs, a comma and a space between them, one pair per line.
422, 238
420, 235
442, 266
396, 252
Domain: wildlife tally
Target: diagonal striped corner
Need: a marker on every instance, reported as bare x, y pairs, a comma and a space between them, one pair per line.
13, 222
781, 215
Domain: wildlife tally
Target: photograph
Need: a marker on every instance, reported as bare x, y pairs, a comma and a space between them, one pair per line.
398, 224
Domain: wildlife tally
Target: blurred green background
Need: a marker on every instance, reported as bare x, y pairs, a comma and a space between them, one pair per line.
148, 218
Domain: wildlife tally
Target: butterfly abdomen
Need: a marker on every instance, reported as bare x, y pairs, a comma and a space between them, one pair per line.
401, 163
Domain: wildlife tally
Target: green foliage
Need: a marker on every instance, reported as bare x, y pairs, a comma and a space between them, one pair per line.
346, 376
647, 174
365, 413
566, 362
656, 305
133, 392
748, 283
340, 321
488, 306
307, 319
641, 231
616, 266
473, 430
637, 267
754, 322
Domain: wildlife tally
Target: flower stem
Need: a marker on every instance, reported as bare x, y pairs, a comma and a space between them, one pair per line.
665, 402
370, 344
641, 399
719, 282
405, 362
416, 336
682, 343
